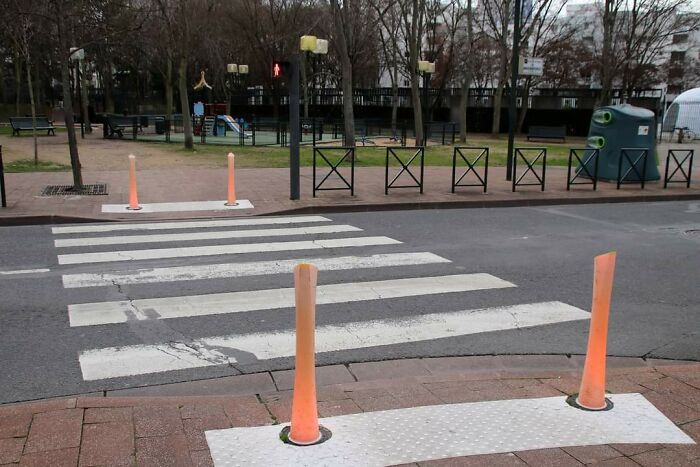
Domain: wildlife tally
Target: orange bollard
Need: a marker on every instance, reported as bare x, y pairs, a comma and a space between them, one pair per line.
592, 393
231, 182
133, 196
304, 427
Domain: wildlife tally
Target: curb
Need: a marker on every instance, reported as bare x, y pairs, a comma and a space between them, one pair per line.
506, 203
372, 207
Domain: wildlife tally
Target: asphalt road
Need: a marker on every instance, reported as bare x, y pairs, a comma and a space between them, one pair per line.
546, 252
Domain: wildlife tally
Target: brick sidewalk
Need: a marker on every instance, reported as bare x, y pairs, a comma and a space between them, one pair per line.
268, 190
150, 430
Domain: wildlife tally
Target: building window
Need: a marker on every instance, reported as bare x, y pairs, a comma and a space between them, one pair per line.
680, 38
677, 57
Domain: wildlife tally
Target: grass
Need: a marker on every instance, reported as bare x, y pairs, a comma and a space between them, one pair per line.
369, 156
7, 131
27, 165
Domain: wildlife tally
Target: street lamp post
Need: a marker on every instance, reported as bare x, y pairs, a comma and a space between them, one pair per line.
308, 44
237, 74
425, 69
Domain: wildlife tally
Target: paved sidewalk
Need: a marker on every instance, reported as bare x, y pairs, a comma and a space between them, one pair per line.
164, 425
268, 190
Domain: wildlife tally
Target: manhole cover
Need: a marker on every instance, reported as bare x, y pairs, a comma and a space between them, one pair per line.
68, 190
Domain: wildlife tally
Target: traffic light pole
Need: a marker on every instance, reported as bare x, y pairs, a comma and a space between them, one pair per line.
294, 129
512, 116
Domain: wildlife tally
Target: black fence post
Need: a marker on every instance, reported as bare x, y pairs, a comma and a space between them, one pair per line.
2, 181
134, 126
252, 128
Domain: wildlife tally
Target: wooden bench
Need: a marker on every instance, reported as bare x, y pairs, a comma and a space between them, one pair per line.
25, 124
546, 132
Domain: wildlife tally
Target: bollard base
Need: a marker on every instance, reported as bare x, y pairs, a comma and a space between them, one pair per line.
573, 402
129, 208
231, 204
325, 436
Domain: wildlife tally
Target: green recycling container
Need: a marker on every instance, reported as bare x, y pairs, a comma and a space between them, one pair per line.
622, 126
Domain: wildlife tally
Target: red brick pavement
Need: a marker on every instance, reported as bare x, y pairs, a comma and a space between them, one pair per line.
169, 430
268, 190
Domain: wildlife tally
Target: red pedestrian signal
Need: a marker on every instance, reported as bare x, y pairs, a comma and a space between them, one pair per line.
279, 69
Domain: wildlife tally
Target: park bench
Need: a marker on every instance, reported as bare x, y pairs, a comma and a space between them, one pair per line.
546, 132
116, 124
25, 124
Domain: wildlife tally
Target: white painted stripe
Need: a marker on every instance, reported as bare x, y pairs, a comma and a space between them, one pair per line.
258, 268
119, 226
133, 255
91, 314
216, 235
417, 434
24, 271
186, 206
143, 359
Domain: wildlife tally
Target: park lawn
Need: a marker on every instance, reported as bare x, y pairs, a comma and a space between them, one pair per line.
367, 156
27, 165
7, 131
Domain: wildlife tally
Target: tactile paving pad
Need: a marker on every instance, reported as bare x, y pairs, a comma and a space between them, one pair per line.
441, 431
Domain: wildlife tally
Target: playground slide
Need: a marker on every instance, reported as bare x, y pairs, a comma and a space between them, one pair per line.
231, 123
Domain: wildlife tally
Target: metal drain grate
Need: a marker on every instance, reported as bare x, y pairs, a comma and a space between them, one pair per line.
68, 190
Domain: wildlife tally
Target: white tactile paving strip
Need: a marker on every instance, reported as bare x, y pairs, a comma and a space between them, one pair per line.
178, 207
443, 431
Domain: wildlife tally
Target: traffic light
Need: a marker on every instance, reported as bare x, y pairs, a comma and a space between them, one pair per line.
279, 69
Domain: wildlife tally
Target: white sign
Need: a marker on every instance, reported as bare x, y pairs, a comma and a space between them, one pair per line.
643, 130
532, 66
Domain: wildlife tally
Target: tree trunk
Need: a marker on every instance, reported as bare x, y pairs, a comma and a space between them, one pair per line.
169, 92
85, 98
184, 102
18, 84
341, 27
108, 81
498, 96
394, 97
30, 88
523, 107
68, 101
417, 109
463, 103
606, 69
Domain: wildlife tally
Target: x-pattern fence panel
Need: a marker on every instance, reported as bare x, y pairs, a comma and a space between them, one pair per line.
686, 155
536, 155
326, 154
414, 153
471, 156
584, 158
633, 157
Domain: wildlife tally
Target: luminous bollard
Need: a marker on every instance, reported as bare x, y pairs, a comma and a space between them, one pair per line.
133, 196
592, 392
231, 182
304, 427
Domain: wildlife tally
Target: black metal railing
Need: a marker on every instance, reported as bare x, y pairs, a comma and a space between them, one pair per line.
632, 156
539, 155
583, 170
326, 154
673, 155
414, 153
471, 156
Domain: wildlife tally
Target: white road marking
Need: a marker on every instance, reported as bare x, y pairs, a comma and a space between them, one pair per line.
416, 434
186, 206
258, 268
92, 314
133, 255
215, 235
119, 226
24, 271
132, 360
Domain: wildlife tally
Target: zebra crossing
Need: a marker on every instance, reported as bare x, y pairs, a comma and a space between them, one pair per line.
126, 257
